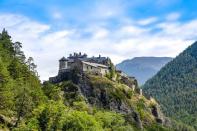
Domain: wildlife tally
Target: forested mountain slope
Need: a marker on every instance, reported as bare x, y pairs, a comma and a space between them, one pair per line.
84, 102
20, 88
175, 87
143, 68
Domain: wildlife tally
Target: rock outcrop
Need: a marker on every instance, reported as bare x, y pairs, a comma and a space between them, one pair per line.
103, 93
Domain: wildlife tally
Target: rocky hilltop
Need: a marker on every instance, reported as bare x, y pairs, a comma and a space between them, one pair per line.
120, 94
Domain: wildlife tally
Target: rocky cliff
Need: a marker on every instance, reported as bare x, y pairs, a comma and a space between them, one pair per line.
122, 96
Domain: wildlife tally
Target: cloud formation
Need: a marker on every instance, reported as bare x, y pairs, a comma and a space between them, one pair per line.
130, 39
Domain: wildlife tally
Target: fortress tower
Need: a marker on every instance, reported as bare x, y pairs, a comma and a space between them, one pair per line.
63, 64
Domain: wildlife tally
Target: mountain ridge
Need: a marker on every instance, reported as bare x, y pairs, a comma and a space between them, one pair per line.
143, 68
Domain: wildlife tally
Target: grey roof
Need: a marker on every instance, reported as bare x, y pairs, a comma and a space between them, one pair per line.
98, 58
84, 59
63, 59
70, 60
95, 64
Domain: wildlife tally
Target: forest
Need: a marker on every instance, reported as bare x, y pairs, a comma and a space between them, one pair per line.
175, 87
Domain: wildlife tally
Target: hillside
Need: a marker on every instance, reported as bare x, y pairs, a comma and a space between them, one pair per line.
175, 87
20, 88
102, 96
143, 68
79, 102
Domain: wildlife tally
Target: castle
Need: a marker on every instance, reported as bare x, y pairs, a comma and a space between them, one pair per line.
95, 65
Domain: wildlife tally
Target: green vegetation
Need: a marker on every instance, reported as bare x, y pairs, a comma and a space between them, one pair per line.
20, 90
112, 75
175, 87
27, 105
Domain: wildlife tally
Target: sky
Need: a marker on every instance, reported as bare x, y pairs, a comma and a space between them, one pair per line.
119, 29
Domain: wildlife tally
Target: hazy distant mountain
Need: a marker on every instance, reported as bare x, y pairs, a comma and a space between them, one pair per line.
143, 68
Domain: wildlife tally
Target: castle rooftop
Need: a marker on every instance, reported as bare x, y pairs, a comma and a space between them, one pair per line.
63, 59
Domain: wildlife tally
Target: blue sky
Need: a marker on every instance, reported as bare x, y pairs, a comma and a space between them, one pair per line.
72, 10
120, 29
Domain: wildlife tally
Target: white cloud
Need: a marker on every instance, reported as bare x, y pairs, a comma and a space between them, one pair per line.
123, 42
56, 15
100, 33
56, 36
107, 9
147, 21
173, 16
132, 31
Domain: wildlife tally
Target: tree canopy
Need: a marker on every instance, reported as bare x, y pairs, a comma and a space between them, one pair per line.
175, 87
